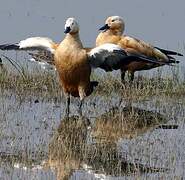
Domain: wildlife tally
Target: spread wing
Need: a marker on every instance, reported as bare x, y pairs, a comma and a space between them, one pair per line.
43, 50
33, 43
112, 57
46, 56
42, 56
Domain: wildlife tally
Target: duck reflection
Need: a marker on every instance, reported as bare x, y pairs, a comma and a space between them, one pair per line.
67, 147
75, 145
128, 122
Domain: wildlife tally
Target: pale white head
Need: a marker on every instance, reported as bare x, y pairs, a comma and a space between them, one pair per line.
115, 23
71, 26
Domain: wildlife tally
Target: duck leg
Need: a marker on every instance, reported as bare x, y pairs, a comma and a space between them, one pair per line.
67, 106
82, 95
122, 76
80, 107
130, 76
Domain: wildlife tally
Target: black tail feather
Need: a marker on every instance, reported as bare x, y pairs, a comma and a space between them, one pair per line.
167, 52
170, 57
173, 61
141, 58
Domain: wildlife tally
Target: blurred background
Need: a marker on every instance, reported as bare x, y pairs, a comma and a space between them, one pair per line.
160, 23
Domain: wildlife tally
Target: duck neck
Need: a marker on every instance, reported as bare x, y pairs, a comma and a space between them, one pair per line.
74, 38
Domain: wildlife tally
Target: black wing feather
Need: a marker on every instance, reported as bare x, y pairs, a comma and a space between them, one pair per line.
9, 47
137, 57
168, 52
116, 59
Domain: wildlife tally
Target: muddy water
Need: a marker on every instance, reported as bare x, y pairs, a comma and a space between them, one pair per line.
30, 130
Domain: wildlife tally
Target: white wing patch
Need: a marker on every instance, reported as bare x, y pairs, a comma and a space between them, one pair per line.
105, 47
107, 56
32, 42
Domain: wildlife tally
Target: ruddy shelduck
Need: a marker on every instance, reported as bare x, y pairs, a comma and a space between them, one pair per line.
73, 62
112, 32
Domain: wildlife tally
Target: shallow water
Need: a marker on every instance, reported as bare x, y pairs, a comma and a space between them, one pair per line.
27, 128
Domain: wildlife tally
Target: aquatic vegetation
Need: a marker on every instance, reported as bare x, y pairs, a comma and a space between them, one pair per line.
46, 83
